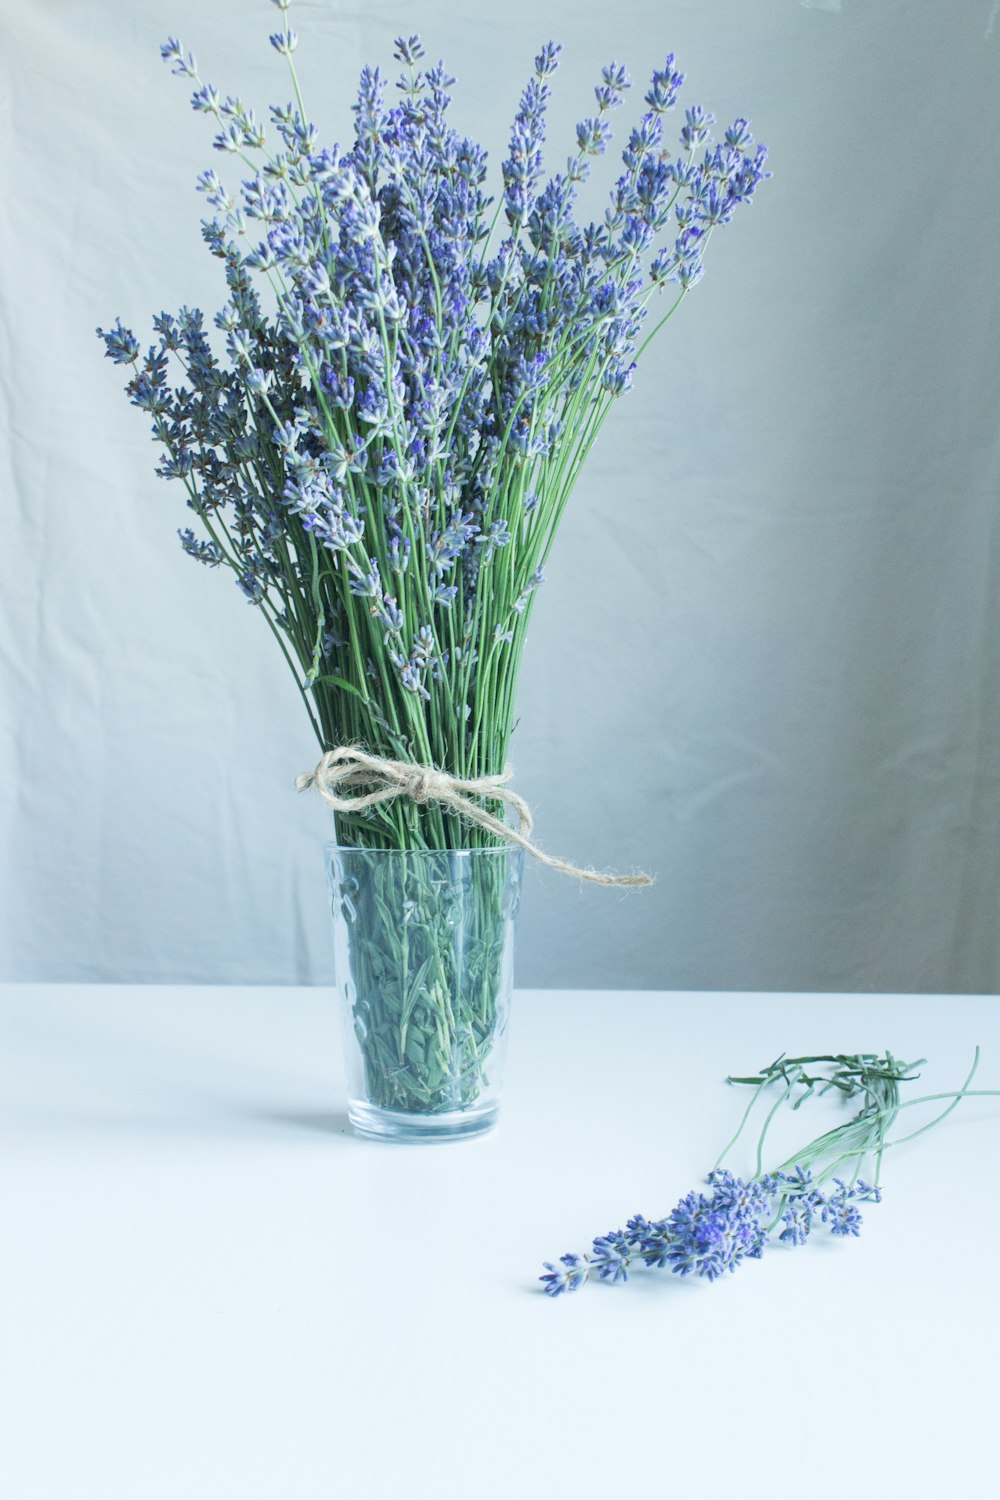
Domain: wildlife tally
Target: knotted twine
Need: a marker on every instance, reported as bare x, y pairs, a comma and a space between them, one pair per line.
349, 766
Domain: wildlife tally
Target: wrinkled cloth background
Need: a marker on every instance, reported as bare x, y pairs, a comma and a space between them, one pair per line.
765, 664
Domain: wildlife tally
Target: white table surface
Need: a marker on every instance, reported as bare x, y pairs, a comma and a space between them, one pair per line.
212, 1289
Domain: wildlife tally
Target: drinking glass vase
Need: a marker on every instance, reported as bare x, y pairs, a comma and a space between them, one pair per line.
424, 960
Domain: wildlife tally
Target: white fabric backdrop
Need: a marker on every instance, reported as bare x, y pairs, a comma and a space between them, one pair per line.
775, 598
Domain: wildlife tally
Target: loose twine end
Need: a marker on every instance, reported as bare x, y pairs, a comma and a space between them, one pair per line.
350, 767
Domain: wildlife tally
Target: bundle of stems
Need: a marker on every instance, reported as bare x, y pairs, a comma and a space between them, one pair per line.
385, 459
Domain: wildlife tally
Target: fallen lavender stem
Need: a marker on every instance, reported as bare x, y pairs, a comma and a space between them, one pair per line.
706, 1234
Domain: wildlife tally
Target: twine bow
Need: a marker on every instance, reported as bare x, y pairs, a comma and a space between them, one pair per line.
349, 767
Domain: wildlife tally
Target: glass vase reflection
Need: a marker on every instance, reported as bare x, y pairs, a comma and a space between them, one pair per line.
424, 958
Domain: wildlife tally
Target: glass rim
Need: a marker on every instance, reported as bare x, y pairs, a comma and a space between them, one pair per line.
334, 848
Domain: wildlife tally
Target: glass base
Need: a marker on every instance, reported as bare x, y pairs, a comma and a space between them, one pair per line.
393, 1125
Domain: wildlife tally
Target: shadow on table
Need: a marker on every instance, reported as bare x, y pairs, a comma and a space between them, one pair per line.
317, 1121
185, 1114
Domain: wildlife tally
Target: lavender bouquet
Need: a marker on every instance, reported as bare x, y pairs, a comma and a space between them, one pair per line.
413, 375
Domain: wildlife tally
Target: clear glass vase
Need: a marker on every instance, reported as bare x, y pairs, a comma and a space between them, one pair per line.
424, 958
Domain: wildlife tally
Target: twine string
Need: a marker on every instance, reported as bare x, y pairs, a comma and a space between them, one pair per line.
350, 769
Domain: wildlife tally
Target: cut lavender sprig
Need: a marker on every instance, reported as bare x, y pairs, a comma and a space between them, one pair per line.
708, 1234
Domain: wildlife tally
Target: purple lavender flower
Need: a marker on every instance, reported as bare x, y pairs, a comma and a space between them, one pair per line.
172, 52
121, 345
612, 1256
666, 84
611, 91
412, 397
204, 552
593, 136
840, 1211
708, 1234
284, 42
797, 1219
696, 127
572, 1275
523, 167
